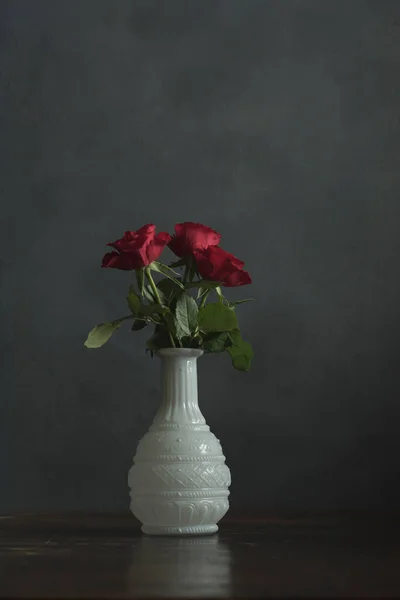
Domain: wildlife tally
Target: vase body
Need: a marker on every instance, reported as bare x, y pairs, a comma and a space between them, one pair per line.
179, 481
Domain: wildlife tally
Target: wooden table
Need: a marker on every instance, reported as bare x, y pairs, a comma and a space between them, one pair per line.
106, 556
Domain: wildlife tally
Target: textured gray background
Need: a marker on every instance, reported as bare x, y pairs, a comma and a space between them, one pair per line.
277, 123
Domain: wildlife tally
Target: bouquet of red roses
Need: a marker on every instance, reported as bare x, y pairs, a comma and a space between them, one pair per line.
178, 304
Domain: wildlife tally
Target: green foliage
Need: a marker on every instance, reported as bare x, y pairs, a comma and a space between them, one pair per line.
138, 324
100, 334
167, 272
134, 302
186, 312
216, 342
148, 310
179, 319
148, 294
158, 340
168, 289
217, 317
170, 323
191, 342
140, 280
203, 284
139, 309
240, 351
233, 304
219, 293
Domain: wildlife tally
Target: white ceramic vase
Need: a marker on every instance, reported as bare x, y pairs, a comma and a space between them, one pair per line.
179, 481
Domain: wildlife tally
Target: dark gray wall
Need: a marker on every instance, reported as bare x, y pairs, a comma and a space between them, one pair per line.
277, 123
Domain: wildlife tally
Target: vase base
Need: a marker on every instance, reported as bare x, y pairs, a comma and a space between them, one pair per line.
195, 530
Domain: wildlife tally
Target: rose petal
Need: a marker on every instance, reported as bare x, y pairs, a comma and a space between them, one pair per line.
114, 260
157, 245
236, 278
190, 237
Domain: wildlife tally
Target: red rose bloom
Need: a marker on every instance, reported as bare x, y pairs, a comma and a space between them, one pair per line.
190, 237
215, 264
136, 249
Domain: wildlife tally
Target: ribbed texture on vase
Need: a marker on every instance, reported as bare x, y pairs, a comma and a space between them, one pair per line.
179, 393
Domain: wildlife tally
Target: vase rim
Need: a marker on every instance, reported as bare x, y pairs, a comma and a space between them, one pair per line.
179, 352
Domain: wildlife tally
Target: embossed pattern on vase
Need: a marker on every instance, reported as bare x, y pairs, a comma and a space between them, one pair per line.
179, 481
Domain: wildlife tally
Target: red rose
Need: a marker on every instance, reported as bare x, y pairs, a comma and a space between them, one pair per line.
190, 237
215, 264
136, 249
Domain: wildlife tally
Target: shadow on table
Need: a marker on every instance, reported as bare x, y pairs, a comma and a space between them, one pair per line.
180, 567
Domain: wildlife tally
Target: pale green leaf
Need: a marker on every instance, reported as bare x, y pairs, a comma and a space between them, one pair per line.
101, 334
217, 317
240, 351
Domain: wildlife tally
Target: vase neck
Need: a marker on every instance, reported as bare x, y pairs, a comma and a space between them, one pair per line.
179, 406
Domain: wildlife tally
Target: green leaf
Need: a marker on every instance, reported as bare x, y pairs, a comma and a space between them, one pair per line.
168, 289
233, 304
148, 294
170, 322
140, 280
150, 297
240, 360
188, 341
186, 315
202, 283
133, 301
217, 317
195, 342
159, 339
160, 268
150, 309
219, 293
138, 324
240, 351
100, 334
216, 342
236, 336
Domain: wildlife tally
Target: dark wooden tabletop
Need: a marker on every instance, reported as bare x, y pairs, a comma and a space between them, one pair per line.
106, 556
